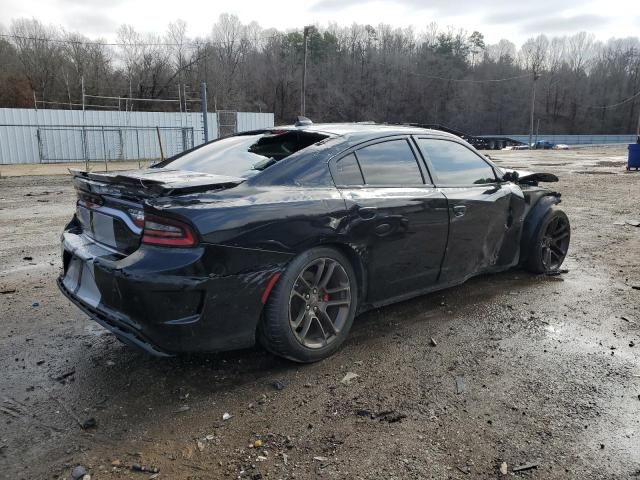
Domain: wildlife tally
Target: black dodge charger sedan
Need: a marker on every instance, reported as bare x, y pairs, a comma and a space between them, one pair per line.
284, 235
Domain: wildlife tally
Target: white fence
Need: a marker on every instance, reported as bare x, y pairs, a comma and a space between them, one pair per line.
45, 136
595, 139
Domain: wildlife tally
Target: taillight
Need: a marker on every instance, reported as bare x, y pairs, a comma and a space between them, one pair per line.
167, 232
137, 216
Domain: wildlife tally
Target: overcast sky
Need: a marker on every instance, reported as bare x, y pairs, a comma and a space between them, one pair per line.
515, 20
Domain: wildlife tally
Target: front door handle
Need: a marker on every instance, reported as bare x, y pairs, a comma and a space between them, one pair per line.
367, 213
459, 210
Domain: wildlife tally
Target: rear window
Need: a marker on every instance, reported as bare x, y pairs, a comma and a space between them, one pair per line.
244, 155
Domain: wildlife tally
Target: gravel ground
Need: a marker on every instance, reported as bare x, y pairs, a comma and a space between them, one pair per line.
523, 371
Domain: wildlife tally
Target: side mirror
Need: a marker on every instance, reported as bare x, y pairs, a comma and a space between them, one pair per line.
511, 177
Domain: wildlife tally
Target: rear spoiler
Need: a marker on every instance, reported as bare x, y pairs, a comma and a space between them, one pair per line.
152, 182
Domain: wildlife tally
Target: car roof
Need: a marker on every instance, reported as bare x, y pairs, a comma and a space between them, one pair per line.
364, 129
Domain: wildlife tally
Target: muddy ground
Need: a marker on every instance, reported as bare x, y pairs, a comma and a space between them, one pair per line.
534, 371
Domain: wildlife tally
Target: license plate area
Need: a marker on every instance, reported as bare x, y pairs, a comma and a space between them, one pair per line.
79, 279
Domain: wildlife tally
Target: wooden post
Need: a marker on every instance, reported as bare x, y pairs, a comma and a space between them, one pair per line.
160, 144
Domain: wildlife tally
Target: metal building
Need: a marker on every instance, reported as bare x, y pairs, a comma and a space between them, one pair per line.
47, 136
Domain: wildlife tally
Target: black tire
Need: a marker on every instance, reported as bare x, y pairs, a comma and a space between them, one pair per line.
550, 242
277, 331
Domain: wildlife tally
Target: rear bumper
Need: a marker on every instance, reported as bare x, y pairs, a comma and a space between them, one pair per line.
166, 300
111, 323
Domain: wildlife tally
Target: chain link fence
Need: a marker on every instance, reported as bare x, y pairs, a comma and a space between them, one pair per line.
112, 143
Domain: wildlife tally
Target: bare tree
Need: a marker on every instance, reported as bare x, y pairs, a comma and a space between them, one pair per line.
356, 72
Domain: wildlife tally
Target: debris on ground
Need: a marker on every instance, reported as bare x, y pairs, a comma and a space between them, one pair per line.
89, 423
65, 374
136, 467
629, 319
503, 468
526, 466
226, 416
390, 416
183, 408
7, 291
257, 444
346, 380
78, 472
433, 342
554, 273
460, 385
279, 384
320, 459
633, 223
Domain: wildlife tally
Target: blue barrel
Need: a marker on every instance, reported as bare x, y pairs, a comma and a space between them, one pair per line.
634, 156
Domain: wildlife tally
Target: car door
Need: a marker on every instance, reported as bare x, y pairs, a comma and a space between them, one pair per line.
397, 220
481, 209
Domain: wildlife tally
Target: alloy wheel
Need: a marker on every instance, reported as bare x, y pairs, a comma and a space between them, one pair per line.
555, 243
319, 303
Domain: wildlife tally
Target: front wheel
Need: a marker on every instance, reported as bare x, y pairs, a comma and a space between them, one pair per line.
550, 243
311, 308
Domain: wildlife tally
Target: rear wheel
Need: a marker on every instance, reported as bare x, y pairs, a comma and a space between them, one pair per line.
311, 308
551, 242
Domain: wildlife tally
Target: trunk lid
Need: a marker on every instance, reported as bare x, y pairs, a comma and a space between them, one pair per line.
111, 205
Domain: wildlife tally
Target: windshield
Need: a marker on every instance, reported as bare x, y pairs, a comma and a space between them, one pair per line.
244, 155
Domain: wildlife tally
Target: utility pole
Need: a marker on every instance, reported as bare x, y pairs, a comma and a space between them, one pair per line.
536, 76
307, 30
203, 108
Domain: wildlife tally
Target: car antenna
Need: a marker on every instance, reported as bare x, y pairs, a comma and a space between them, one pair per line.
300, 121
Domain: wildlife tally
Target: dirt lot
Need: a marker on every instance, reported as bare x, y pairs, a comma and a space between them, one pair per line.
534, 371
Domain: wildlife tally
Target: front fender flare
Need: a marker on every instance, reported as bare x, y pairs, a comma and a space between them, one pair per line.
532, 222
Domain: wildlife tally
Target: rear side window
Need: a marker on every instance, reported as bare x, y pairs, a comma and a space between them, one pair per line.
347, 171
389, 163
454, 164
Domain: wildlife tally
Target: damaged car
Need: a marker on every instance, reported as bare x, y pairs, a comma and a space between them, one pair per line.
282, 236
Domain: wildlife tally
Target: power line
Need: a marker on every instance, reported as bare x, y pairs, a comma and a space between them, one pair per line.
121, 44
175, 100
614, 105
470, 80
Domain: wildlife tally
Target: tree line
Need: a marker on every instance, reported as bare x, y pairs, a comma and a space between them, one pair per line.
354, 73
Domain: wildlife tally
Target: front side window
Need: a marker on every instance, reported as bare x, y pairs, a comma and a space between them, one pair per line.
389, 163
454, 164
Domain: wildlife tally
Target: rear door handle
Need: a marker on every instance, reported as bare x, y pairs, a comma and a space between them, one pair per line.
367, 213
459, 210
